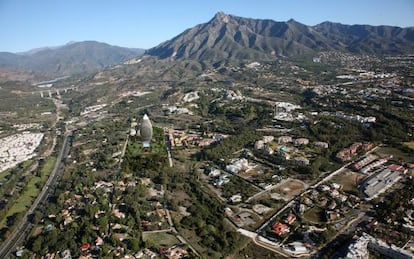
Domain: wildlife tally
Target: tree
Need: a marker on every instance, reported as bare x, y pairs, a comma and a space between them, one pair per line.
37, 245
133, 244
12, 219
36, 217
51, 239
103, 223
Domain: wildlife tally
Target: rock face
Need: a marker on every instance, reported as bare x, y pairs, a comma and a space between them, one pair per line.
146, 130
231, 37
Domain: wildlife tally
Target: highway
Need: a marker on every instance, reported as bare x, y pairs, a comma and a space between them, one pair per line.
24, 226
167, 139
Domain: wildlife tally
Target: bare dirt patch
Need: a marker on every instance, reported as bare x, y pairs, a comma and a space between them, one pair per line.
181, 196
290, 188
248, 174
349, 180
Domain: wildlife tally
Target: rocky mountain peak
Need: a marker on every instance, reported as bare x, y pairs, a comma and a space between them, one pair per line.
221, 17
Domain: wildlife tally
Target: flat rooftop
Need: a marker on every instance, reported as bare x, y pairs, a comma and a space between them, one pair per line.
379, 183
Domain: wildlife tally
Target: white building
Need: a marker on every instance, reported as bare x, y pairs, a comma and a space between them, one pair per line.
360, 249
192, 96
259, 144
238, 165
321, 144
268, 139
284, 139
301, 141
380, 182
214, 173
301, 161
235, 198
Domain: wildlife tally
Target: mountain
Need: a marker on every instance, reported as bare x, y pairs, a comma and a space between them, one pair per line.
71, 58
369, 39
231, 37
35, 50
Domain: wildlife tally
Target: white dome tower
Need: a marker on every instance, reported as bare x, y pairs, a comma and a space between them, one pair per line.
146, 131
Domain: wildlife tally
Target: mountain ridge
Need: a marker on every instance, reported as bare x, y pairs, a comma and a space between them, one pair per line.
76, 57
35, 50
231, 37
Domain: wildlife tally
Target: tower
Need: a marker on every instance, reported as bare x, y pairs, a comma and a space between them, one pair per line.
146, 131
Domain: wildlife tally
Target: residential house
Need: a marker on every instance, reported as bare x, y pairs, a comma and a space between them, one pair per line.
332, 205
238, 165
214, 173
236, 198
259, 144
301, 141
336, 186
321, 144
332, 216
324, 188
85, 247
367, 146
223, 179
268, 150
291, 218
283, 154
99, 241
368, 159
301, 161
268, 139
353, 149
280, 229
346, 154
284, 139
175, 252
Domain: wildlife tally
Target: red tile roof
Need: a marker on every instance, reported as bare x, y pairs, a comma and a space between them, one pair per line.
291, 218
85, 247
280, 228
398, 168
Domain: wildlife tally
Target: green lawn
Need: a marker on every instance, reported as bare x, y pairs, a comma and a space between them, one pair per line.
5, 174
47, 168
396, 153
314, 214
136, 149
349, 181
24, 166
31, 191
157, 146
24, 201
161, 239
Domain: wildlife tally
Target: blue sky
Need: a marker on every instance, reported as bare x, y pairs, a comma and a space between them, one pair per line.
27, 24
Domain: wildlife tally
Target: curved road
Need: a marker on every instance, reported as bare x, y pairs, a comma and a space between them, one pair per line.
19, 233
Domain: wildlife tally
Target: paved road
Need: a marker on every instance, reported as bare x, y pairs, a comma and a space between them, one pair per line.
255, 237
19, 233
168, 141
